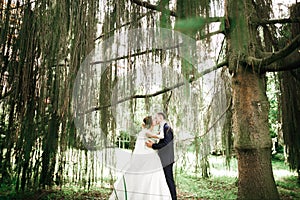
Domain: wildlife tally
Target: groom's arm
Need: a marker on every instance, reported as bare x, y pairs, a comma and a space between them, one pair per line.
167, 139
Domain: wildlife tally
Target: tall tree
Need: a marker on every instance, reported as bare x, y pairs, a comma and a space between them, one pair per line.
290, 103
250, 108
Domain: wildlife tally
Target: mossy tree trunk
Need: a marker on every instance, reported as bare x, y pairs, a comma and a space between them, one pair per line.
252, 139
250, 108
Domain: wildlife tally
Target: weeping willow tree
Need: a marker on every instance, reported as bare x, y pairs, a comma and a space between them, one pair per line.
42, 46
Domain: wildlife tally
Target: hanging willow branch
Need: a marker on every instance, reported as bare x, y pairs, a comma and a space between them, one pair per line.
122, 25
213, 124
167, 89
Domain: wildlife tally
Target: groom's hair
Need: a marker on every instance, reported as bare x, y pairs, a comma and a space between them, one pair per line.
163, 115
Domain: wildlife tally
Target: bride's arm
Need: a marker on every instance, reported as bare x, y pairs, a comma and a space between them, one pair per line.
160, 134
151, 135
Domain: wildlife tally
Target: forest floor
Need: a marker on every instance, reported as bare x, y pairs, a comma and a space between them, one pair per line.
222, 184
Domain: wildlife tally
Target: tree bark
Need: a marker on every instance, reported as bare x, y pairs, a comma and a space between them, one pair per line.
290, 93
252, 140
290, 103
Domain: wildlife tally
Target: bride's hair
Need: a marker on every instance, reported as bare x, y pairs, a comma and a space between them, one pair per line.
147, 122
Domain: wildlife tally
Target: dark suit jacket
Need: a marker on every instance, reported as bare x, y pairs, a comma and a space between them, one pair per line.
165, 146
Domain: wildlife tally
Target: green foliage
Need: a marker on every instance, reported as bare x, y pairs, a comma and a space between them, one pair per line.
284, 35
272, 93
279, 165
165, 21
278, 157
192, 25
124, 140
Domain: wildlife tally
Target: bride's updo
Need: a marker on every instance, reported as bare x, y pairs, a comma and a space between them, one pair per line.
147, 122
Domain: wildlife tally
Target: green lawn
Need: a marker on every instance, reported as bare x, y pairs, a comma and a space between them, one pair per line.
191, 187
222, 184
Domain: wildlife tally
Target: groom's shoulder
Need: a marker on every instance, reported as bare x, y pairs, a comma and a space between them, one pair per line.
168, 127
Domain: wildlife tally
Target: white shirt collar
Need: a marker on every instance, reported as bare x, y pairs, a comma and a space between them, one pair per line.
162, 123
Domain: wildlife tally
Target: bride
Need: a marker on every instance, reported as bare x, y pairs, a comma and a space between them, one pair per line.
144, 177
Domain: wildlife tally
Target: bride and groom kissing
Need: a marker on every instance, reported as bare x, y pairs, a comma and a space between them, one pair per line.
149, 174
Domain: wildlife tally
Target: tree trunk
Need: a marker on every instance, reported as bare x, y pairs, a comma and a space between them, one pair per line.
290, 89
227, 136
252, 139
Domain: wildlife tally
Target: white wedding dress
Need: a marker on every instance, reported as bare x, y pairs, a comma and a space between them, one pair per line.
144, 178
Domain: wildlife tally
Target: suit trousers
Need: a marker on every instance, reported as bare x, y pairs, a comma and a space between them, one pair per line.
168, 170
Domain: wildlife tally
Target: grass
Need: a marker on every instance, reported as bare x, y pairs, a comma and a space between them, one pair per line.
288, 188
223, 182
66, 193
191, 187
93, 194
221, 185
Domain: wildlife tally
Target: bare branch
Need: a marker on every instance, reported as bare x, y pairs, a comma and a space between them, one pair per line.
262, 63
220, 65
211, 34
138, 96
167, 89
278, 21
134, 54
153, 7
122, 25
289, 62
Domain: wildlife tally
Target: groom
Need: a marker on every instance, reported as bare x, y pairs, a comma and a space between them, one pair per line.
165, 148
